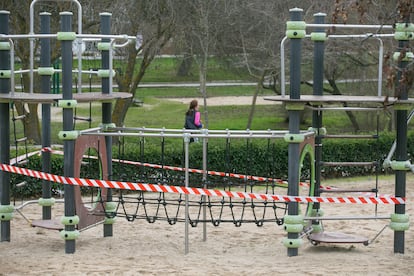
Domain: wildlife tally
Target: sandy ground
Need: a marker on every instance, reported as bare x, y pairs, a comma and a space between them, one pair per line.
142, 248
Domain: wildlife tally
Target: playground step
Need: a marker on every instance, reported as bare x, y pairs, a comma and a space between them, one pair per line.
334, 237
51, 224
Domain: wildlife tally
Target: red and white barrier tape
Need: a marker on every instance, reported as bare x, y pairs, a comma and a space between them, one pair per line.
215, 173
195, 191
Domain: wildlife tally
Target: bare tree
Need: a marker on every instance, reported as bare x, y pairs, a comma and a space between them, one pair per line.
199, 25
155, 21
364, 60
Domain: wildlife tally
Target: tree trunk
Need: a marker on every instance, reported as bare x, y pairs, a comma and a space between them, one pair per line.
203, 86
33, 130
130, 80
253, 107
120, 111
185, 66
31, 120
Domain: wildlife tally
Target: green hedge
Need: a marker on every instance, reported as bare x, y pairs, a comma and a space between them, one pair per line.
258, 158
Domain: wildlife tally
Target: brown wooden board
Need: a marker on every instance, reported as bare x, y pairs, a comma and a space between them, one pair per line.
97, 96
384, 100
29, 97
50, 98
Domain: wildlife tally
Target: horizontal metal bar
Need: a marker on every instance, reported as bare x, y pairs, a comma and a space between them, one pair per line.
164, 130
79, 36
23, 139
193, 135
18, 36
348, 164
350, 26
124, 37
35, 202
90, 130
21, 117
21, 184
368, 35
374, 136
345, 108
88, 119
21, 71
22, 162
199, 133
347, 218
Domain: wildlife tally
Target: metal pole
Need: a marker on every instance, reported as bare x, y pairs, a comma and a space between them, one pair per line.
4, 128
318, 71
69, 145
45, 56
401, 90
187, 180
294, 123
107, 109
282, 67
380, 65
205, 175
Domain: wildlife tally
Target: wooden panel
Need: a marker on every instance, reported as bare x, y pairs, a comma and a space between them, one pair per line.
30, 97
340, 99
50, 98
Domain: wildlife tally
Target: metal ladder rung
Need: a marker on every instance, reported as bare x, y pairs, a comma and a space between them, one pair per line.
21, 184
348, 190
21, 117
22, 162
23, 139
87, 119
348, 164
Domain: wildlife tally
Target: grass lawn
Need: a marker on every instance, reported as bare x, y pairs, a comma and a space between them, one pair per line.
170, 114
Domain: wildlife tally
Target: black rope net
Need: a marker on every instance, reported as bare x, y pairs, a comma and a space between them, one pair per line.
171, 207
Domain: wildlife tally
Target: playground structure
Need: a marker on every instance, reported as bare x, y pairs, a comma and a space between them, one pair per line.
302, 144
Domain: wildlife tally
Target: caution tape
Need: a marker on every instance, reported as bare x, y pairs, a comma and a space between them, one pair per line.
191, 170
214, 173
195, 191
280, 182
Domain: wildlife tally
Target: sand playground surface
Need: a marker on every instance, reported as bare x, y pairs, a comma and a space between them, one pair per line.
142, 248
